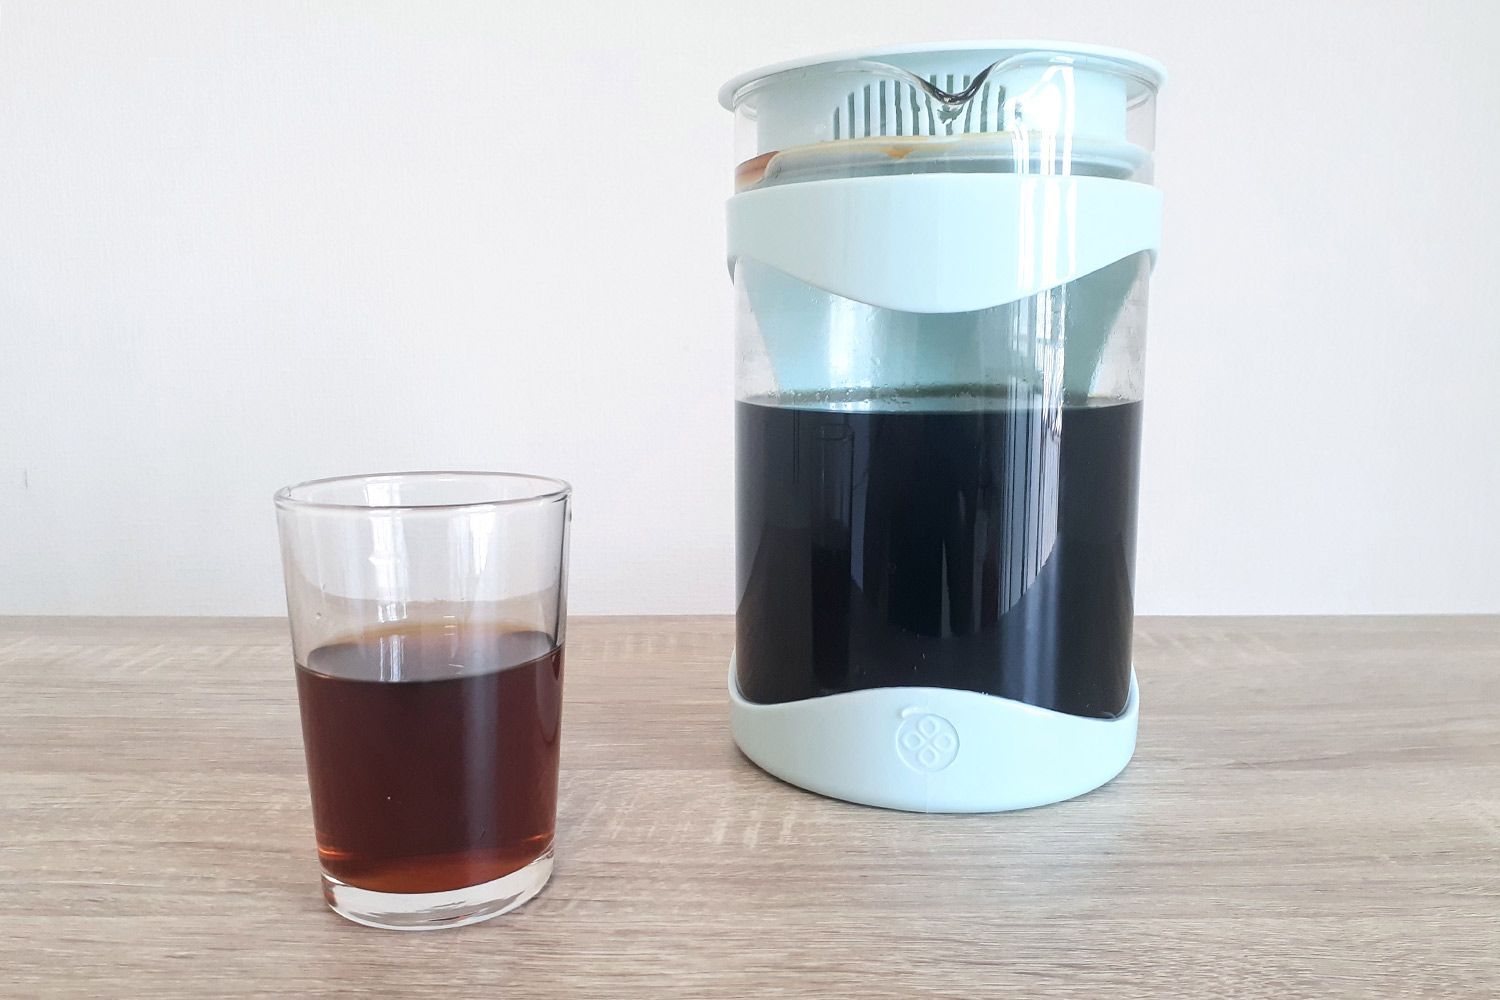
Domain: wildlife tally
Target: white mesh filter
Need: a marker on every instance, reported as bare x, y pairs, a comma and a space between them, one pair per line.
898, 107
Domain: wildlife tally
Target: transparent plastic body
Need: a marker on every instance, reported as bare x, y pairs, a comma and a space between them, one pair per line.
428, 618
941, 498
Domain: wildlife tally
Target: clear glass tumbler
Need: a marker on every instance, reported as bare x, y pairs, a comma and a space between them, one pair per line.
428, 612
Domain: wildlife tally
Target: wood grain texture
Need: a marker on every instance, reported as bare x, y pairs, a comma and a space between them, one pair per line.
1313, 810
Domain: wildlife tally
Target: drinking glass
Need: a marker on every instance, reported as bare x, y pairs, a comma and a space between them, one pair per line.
428, 612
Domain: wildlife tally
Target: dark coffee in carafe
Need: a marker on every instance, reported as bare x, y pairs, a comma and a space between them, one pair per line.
955, 538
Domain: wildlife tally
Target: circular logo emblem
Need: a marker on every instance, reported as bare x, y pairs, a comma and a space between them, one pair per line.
926, 742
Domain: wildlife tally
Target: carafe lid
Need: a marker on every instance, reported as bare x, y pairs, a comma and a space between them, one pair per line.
940, 90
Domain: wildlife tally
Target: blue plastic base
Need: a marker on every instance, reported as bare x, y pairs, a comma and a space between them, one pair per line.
933, 749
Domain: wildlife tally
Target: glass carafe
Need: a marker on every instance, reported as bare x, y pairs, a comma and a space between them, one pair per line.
940, 260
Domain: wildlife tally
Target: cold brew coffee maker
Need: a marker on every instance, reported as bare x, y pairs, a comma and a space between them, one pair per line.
940, 258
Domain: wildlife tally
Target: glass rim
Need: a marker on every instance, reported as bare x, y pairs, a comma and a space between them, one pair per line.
551, 489
1144, 70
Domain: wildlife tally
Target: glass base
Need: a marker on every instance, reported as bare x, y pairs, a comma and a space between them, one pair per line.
430, 911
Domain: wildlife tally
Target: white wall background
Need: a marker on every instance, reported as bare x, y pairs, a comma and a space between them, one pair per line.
247, 243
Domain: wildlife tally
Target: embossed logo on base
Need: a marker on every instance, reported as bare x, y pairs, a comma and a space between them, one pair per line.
926, 742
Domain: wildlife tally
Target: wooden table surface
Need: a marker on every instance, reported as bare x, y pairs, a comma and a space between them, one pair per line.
1313, 810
